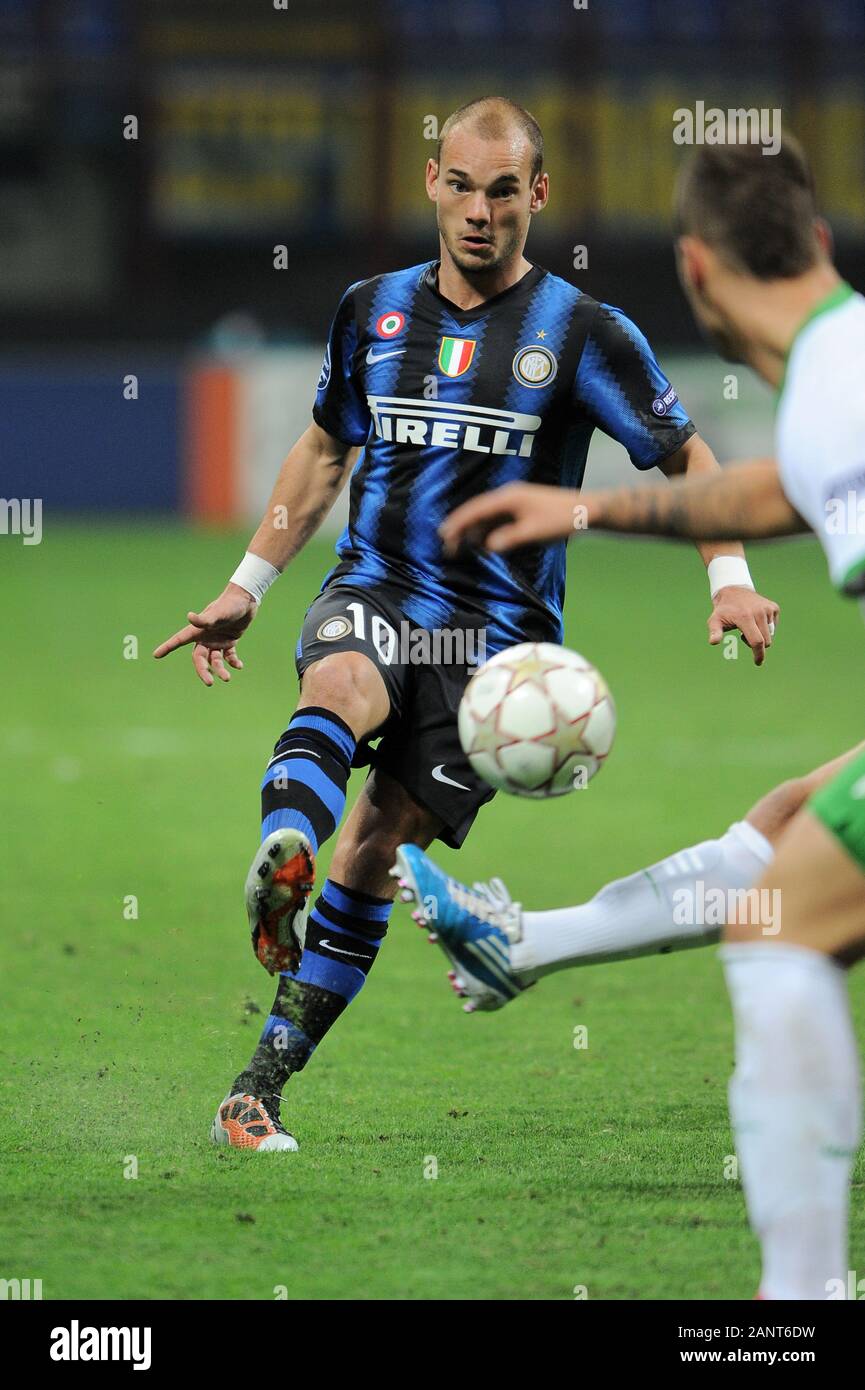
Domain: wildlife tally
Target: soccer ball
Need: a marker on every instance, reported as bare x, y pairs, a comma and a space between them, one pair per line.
537, 720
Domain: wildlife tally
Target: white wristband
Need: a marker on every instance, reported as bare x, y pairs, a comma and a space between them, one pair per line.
728, 569
254, 575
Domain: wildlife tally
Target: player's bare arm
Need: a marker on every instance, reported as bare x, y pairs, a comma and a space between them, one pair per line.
305, 490
744, 500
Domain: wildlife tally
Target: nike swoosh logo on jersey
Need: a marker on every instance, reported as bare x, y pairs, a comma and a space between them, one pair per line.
380, 356
440, 777
858, 789
330, 946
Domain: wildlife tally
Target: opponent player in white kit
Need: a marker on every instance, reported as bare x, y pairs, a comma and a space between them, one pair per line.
754, 260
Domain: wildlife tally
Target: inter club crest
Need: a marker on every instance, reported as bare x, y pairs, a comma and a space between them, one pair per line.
535, 366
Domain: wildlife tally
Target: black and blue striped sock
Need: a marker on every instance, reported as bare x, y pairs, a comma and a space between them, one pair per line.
305, 782
343, 935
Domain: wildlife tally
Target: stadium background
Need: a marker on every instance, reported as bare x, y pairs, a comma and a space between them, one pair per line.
308, 127
153, 258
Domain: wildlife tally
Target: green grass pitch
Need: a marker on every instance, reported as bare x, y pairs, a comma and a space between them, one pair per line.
558, 1167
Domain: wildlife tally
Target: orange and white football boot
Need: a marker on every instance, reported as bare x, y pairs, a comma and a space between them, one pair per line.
244, 1122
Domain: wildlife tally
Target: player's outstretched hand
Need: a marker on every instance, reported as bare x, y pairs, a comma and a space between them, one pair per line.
213, 633
753, 615
510, 516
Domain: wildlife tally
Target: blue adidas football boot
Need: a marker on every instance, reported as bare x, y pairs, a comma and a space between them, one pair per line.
473, 926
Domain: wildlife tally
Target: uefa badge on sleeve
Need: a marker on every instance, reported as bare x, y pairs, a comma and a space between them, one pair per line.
665, 401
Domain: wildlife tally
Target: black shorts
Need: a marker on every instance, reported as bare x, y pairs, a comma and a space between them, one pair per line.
425, 673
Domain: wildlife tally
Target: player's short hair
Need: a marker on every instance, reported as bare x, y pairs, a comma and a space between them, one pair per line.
758, 211
491, 117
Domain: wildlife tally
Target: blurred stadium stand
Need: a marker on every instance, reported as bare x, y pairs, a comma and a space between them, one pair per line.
308, 126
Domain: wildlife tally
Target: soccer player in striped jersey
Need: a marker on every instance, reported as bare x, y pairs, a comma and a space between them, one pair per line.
439, 382
755, 262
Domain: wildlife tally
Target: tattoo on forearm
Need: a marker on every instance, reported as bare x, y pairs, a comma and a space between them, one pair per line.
710, 510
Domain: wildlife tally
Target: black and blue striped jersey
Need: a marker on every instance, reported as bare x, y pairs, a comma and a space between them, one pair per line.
448, 403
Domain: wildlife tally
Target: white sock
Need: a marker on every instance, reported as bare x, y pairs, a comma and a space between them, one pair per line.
657, 909
795, 1103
